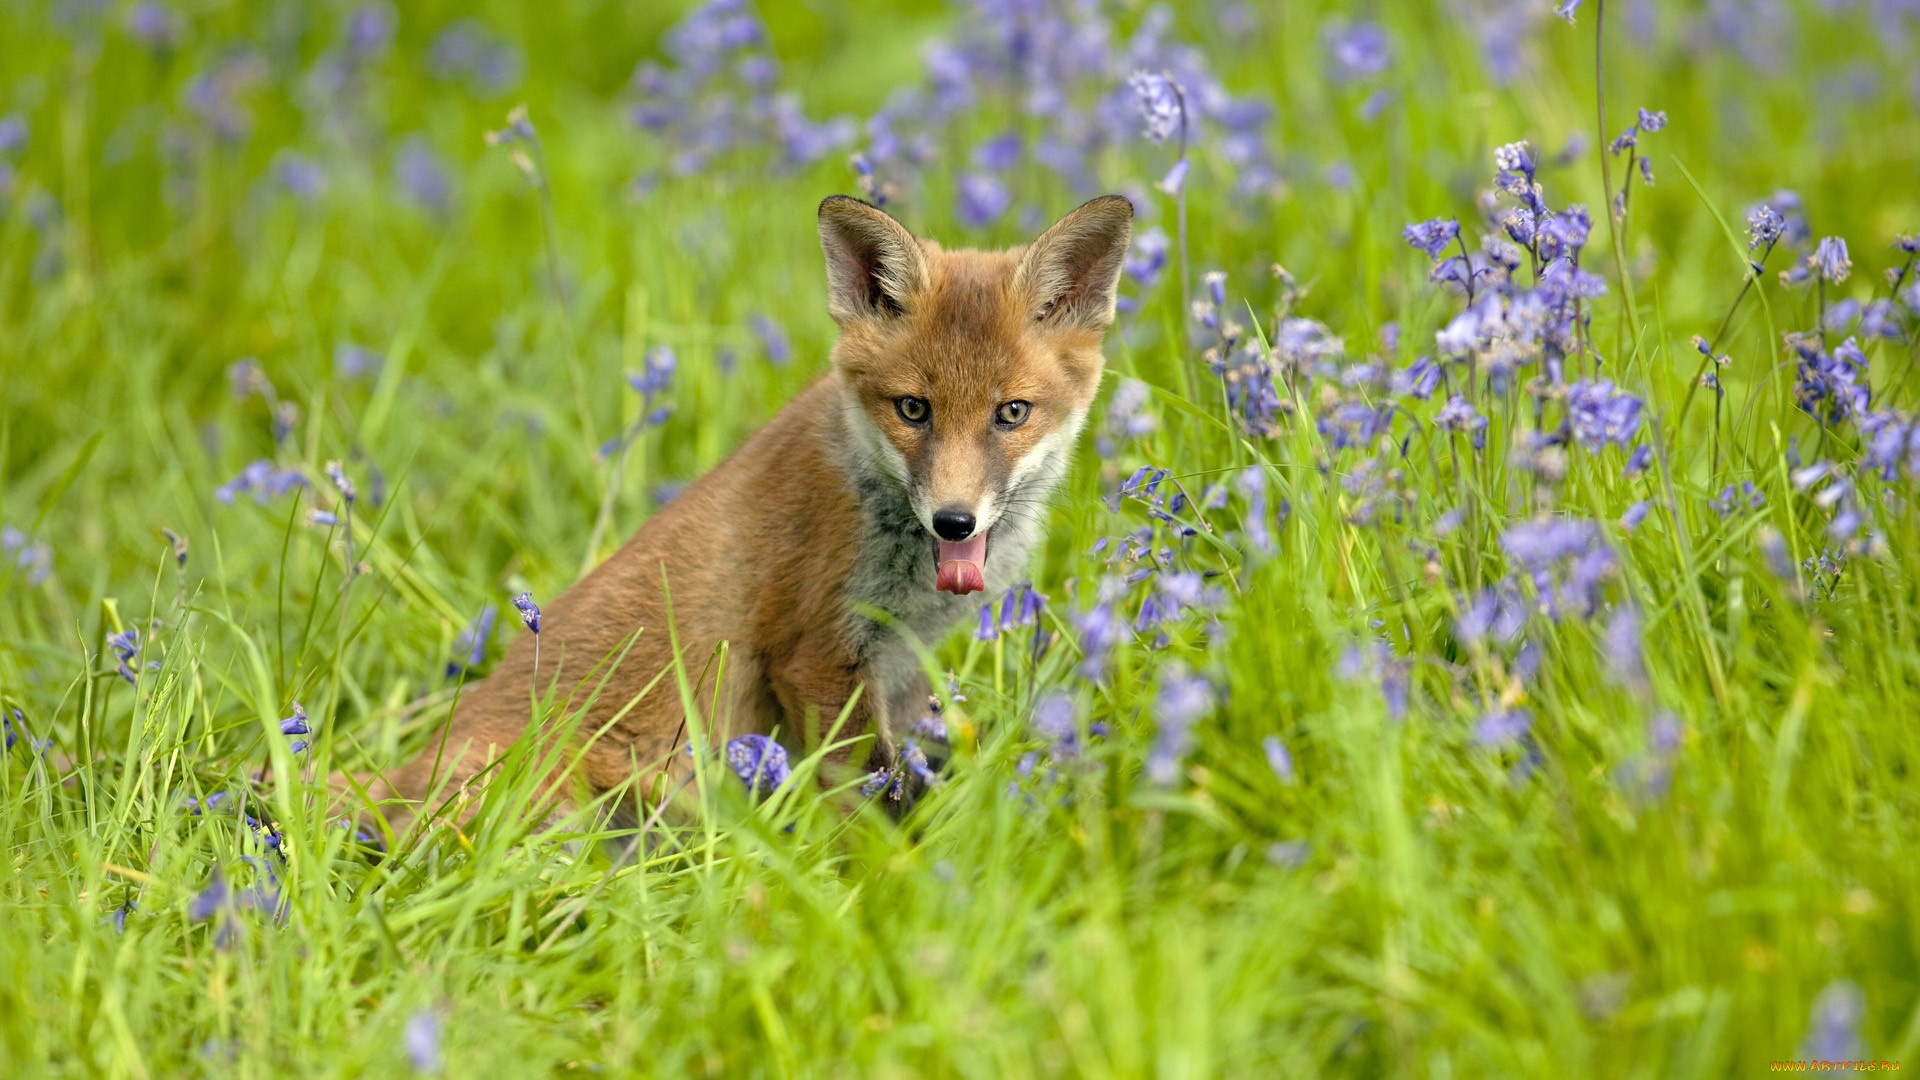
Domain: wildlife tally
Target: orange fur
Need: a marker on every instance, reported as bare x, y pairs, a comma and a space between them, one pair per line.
823, 509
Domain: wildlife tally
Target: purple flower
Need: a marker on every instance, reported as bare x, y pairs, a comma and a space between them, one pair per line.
1734, 498
1148, 256
999, 153
1278, 759
422, 176
1495, 614
297, 723
341, 483
1458, 415
125, 646
1764, 226
355, 361
1565, 233
529, 611
1183, 699
1622, 641
470, 646
1831, 387
263, 481
14, 727
300, 176
1833, 1031
153, 25
1432, 236
773, 340
422, 1041
982, 200
1358, 49
1829, 260
370, 29
1161, 104
1502, 728
1566, 8
34, 557
1514, 165
1176, 179
1600, 414
13, 134
1056, 719
759, 762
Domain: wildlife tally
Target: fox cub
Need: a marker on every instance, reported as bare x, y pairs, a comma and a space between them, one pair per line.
909, 476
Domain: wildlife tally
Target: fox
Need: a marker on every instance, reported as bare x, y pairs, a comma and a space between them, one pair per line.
909, 476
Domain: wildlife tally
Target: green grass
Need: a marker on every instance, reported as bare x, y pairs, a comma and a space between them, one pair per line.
1436, 908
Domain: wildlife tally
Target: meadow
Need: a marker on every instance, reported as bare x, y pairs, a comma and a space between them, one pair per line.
1479, 635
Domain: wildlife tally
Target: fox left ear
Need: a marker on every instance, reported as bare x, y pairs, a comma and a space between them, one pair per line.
1071, 274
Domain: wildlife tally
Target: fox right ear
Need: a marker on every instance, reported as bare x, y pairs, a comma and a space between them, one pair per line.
874, 266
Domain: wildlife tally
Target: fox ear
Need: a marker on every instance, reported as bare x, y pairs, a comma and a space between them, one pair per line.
1069, 275
874, 266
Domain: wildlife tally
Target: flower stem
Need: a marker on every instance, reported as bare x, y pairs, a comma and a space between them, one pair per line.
1615, 226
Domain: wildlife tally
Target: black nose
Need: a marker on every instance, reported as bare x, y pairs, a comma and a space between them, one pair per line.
952, 524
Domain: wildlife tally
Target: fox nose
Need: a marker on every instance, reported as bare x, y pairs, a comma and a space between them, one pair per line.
953, 524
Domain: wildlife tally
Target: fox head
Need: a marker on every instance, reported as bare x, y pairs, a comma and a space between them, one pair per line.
969, 373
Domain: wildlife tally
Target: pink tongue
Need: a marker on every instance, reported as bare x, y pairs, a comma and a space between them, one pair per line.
961, 566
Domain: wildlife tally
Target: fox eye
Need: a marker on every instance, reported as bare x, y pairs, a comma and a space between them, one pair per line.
912, 409
1012, 414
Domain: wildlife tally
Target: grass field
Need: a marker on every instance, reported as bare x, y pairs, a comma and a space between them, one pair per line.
1475, 693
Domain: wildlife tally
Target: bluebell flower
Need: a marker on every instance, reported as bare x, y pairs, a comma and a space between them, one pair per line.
1278, 759
876, 782
1147, 258
32, 557
1358, 49
352, 361
1833, 1029
773, 340
1565, 233
300, 176
1432, 236
13, 134
1735, 497
1515, 169
1829, 260
982, 199
1623, 647
125, 645
1566, 8
1599, 413
369, 29
999, 153
989, 629
153, 25
1055, 718
1182, 700
297, 723
422, 175
1831, 387
263, 480
1502, 728
1159, 100
759, 762
470, 645
1764, 226
338, 476
529, 611
422, 1041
